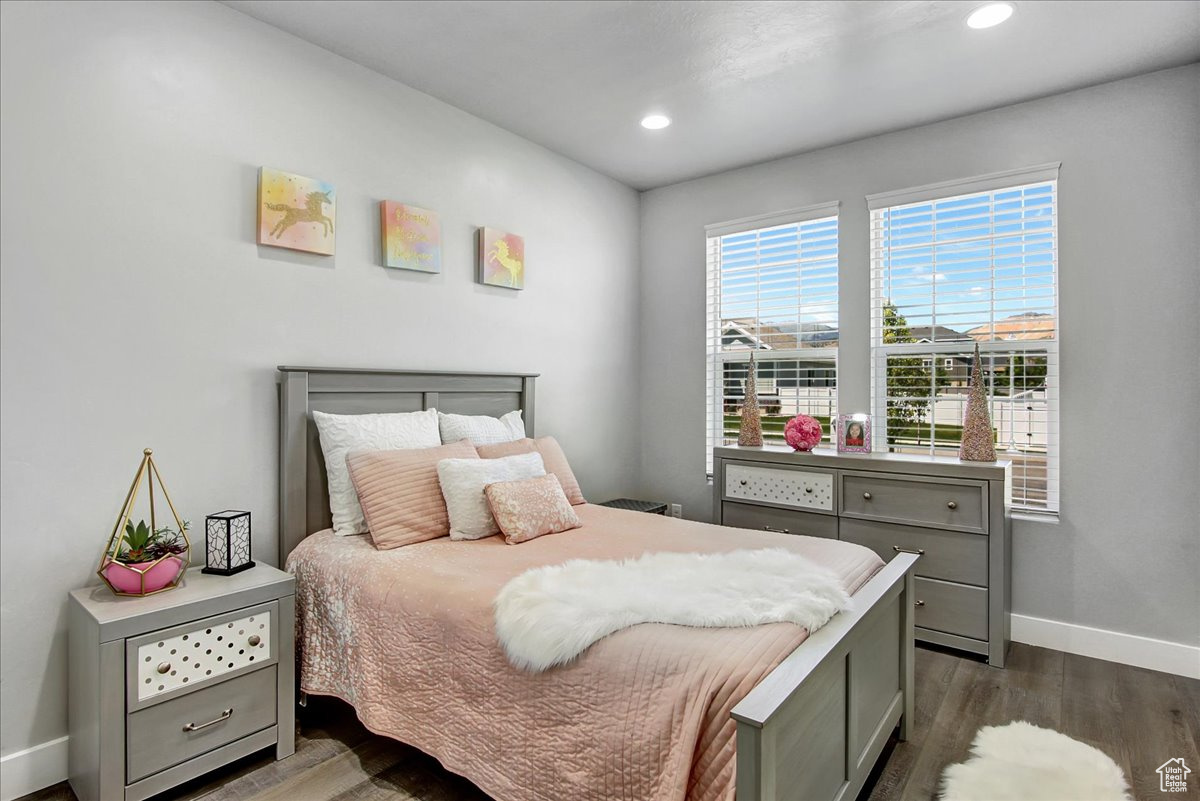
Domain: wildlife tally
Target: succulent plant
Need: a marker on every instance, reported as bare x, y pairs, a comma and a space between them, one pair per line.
141, 544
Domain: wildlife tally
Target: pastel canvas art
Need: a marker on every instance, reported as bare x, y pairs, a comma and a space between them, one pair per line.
295, 212
501, 259
412, 237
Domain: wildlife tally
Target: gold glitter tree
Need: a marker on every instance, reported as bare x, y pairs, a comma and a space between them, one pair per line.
750, 432
978, 443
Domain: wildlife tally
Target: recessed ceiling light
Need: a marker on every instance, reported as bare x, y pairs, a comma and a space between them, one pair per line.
990, 15
655, 121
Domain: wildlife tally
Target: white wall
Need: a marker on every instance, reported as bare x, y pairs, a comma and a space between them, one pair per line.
138, 311
1126, 553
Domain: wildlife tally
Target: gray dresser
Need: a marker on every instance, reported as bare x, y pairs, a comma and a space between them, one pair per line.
169, 686
955, 514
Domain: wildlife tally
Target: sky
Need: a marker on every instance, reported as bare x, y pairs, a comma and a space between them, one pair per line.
957, 262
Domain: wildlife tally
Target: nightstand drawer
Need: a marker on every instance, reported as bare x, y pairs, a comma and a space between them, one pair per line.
952, 608
958, 505
167, 663
172, 732
949, 555
766, 518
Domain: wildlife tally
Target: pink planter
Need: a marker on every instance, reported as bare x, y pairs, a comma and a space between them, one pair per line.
142, 578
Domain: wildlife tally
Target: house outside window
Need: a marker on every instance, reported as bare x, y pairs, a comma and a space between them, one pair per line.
959, 265
772, 291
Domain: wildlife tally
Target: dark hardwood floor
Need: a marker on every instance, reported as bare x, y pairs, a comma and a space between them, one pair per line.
1138, 717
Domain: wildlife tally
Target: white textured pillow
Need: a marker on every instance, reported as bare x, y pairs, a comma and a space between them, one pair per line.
480, 428
463, 482
342, 433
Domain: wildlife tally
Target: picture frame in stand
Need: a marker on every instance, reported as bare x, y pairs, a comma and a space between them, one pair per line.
854, 433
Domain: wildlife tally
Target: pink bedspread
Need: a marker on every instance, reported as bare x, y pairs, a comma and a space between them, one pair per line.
407, 637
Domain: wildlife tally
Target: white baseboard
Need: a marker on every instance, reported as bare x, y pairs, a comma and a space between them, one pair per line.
1111, 646
24, 772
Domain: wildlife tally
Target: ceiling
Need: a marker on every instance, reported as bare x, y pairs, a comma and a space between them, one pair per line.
743, 82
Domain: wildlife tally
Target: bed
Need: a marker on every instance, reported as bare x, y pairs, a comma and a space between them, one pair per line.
653, 712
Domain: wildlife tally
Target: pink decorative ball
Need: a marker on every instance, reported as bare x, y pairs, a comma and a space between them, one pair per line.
802, 432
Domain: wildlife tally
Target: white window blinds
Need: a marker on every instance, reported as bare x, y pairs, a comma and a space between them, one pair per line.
954, 271
773, 291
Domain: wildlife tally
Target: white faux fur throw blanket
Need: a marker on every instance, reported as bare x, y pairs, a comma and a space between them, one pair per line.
549, 615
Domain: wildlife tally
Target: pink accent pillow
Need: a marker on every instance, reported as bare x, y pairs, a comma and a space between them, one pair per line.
552, 456
400, 495
531, 507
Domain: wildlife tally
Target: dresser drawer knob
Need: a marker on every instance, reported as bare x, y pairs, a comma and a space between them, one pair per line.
776, 530
919, 603
917, 551
164, 667
808, 490
742, 482
226, 715
254, 640
951, 505
866, 496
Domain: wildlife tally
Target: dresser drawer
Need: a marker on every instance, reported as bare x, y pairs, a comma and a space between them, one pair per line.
949, 555
780, 486
174, 731
766, 518
173, 661
955, 505
952, 608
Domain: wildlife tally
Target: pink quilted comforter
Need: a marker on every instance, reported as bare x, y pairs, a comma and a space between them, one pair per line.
406, 636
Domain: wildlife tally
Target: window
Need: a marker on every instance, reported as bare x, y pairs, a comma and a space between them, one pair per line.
954, 266
772, 291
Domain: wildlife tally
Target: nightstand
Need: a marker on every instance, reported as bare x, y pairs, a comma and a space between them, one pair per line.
167, 687
650, 507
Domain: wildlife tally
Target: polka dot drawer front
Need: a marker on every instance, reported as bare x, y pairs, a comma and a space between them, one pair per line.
802, 489
206, 652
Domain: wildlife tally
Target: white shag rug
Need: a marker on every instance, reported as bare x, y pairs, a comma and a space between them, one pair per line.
549, 615
1023, 762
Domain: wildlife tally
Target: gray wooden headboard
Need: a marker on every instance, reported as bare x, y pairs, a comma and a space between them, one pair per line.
303, 493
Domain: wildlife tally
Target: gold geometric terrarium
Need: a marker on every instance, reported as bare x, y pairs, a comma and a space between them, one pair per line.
141, 560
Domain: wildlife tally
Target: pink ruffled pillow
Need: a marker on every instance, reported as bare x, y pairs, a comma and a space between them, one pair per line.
531, 507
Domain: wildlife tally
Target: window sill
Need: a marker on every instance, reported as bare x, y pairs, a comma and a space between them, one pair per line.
1051, 519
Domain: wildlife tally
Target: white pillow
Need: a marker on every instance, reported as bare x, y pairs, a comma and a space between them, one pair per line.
342, 433
480, 428
463, 482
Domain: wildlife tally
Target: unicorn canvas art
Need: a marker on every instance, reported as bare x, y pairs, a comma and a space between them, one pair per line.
295, 212
501, 259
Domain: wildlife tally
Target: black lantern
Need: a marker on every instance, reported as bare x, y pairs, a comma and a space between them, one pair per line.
227, 543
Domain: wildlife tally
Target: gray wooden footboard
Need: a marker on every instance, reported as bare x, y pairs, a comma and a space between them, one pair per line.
813, 728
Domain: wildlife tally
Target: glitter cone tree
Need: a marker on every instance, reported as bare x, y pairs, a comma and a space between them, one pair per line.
750, 432
978, 444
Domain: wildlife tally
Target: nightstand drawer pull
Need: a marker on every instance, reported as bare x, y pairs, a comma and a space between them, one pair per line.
226, 715
164, 667
951, 505
917, 551
776, 530
866, 496
919, 603
254, 640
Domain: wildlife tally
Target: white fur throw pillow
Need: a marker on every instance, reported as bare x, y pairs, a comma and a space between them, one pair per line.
342, 433
463, 482
480, 428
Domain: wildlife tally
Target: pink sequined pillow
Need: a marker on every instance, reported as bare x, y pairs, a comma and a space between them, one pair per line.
531, 507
